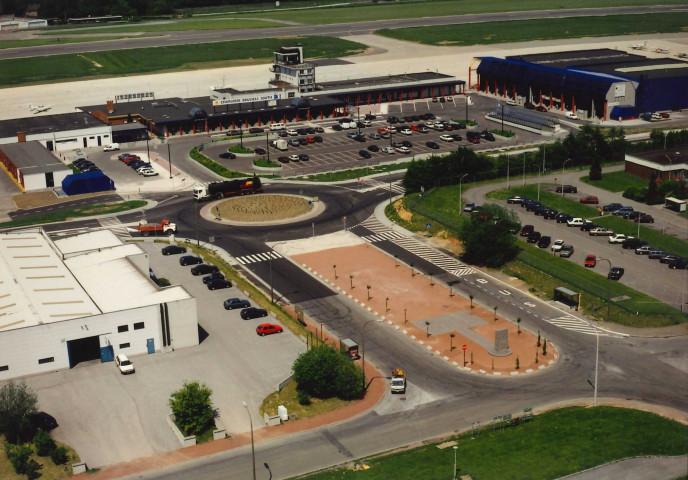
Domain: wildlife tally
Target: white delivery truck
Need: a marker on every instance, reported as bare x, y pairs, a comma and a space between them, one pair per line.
281, 144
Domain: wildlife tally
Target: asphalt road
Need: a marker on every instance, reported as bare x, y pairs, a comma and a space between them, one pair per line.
335, 30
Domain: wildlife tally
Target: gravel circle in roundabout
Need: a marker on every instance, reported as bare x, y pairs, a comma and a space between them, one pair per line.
263, 209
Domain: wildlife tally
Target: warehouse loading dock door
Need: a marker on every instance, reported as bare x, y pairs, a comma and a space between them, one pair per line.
83, 350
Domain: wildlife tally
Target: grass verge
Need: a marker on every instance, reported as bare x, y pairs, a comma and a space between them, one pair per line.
38, 42
48, 471
239, 149
212, 165
265, 163
616, 181
653, 237
554, 444
354, 173
287, 397
175, 26
145, 60
541, 29
547, 197
80, 212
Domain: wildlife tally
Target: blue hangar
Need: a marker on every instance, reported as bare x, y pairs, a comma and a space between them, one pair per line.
602, 83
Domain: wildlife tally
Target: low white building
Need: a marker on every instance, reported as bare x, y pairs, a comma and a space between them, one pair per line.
9, 24
32, 167
81, 298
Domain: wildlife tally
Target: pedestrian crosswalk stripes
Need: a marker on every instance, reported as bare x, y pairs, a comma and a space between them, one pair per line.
395, 186
382, 236
374, 225
575, 324
115, 226
258, 257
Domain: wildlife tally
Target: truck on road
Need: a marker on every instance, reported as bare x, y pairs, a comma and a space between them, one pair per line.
166, 227
398, 382
227, 188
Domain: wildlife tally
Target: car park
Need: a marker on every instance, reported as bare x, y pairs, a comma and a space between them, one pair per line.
375, 136
566, 251
124, 364
566, 189
590, 199
173, 250
213, 276
268, 329
203, 269
253, 312
303, 157
219, 283
527, 230
388, 149
232, 303
556, 246
617, 238
644, 250
615, 273
433, 145
373, 148
534, 237
544, 241
600, 231
364, 154
190, 260
446, 138
590, 261
514, 199
644, 219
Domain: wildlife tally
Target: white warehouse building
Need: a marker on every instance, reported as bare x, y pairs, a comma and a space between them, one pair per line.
82, 298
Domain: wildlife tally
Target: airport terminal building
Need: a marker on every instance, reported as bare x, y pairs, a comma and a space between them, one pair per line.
83, 298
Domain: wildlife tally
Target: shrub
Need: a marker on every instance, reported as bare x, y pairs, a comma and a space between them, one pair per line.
20, 458
323, 372
59, 455
44, 443
303, 397
32, 468
192, 408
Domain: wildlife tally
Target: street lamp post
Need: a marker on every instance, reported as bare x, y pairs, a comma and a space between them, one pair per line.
597, 334
253, 449
267, 145
467, 99
460, 180
455, 449
197, 239
169, 157
363, 349
508, 158
524, 169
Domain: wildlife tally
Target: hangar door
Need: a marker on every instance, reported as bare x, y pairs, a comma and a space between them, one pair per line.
83, 350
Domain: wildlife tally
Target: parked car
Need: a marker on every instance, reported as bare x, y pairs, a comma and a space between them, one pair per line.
617, 238
446, 138
283, 159
111, 148
550, 214
43, 421
469, 207
600, 231
255, 130
587, 226
124, 364
218, 283
566, 251
228, 156
403, 149
534, 237
232, 303
541, 108
253, 312
563, 217
644, 250
615, 273
375, 136
571, 115
544, 241
203, 269
575, 222
590, 261
364, 154
529, 105
213, 276
190, 260
657, 254
644, 219
514, 199
173, 250
433, 145
373, 148
293, 157
632, 243
556, 246
668, 258
622, 211
611, 207
527, 230
590, 199
456, 137
566, 189
679, 263
268, 329
259, 151
388, 149
148, 172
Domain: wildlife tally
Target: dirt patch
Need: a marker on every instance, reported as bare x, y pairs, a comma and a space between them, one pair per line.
404, 214
40, 199
264, 208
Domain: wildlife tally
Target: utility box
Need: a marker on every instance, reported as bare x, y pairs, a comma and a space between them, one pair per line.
348, 346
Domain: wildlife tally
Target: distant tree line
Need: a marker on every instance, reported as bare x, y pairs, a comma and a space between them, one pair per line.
62, 9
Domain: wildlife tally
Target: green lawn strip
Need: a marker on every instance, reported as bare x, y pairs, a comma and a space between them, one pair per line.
265, 163
287, 397
547, 197
354, 173
650, 312
80, 212
653, 237
399, 10
418, 223
250, 7
239, 149
441, 205
540, 29
212, 165
145, 60
616, 181
180, 25
554, 444
36, 42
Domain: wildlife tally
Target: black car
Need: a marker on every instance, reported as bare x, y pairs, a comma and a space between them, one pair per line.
232, 303
668, 258
587, 226
256, 130
373, 148
632, 243
679, 264
122, 156
43, 421
303, 157
566, 189
611, 207
359, 138
213, 276
563, 217
615, 273
544, 241
282, 133
456, 137
540, 210
190, 260
406, 144
527, 230
459, 126
632, 215
303, 141
534, 237
550, 214
318, 139
219, 283
364, 154
203, 269
173, 250
253, 312
227, 156
336, 127
532, 206
433, 145
489, 137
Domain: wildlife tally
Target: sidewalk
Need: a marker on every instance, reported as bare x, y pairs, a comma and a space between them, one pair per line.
641, 468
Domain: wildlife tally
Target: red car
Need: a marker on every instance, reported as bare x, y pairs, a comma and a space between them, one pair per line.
644, 219
383, 130
268, 329
591, 261
541, 108
414, 128
590, 199
310, 140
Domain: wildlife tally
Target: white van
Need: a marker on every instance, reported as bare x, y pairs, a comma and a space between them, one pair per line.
276, 127
571, 115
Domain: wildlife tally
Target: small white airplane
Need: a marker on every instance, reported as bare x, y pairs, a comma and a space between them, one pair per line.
39, 108
639, 46
682, 55
661, 50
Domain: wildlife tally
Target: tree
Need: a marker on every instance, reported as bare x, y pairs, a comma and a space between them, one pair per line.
192, 408
17, 402
653, 191
323, 372
488, 236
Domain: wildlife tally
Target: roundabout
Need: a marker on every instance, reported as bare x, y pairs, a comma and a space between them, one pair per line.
260, 210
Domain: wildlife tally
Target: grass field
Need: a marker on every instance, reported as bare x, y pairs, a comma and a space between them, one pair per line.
616, 181
287, 397
399, 10
145, 60
653, 237
48, 471
544, 29
553, 445
547, 197
172, 26
36, 42
80, 212
354, 173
